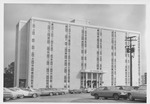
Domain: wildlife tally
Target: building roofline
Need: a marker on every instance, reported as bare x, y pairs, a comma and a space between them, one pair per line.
21, 21
91, 26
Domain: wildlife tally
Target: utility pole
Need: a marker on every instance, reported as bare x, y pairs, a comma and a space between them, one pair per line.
130, 49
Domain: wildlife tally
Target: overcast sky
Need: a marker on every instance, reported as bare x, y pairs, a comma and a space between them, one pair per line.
129, 17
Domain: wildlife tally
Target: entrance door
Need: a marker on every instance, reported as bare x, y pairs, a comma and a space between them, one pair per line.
89, 84
22, 82
94, 84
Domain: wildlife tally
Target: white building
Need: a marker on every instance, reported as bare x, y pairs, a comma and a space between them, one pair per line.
61, 54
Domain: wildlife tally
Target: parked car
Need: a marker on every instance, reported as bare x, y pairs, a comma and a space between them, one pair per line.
9, 94
88, 90
63, 90
56, 91
73, 91
109, 92
135, 87
84, 90
20, 94
46, 91
59, 91
125, 89
140, 93
28, 92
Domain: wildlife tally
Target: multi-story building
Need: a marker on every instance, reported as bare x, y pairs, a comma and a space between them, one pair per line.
144, 78
59, 54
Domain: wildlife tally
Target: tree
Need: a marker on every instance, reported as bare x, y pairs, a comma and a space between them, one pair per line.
9, 75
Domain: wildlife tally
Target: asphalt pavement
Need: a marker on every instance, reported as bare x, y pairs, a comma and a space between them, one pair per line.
75, 98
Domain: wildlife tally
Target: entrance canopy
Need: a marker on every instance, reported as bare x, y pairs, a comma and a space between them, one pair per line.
91, 78
93, 71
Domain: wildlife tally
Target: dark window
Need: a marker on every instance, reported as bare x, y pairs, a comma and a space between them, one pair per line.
32, 54
33, 47
33, 25
48, 34
33, 32
33, 40
48, 27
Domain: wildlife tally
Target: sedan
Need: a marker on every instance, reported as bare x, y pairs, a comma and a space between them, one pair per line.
44, 91
140, 93
75, 91
20, 94
28, 92
108, 92
9, 94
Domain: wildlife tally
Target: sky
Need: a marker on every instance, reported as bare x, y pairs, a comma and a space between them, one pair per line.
120, 16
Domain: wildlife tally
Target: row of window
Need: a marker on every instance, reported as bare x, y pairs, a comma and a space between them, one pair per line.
67, 56
48, 54
32, 54
83, 48
113, 58
99, 50
65, 60
51, 54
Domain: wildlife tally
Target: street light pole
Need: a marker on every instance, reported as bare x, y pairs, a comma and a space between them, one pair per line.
130, 50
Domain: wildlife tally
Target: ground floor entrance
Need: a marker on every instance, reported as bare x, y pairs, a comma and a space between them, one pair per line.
91, 79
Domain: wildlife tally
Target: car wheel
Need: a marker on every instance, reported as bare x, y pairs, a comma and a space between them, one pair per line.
130, 97
96, 96
14, 98
34, 95
125, 98
6, 99
50, 94
21, 97
105, 98
116, 96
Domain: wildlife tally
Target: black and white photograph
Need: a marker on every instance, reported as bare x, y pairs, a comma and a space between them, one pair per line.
82, 52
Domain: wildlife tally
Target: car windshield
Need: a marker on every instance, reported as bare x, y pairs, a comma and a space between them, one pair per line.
127, 88
8, 90
13, 89
142, 88
100, 88
110, 88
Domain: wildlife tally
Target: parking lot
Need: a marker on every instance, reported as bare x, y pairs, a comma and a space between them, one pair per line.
81, 98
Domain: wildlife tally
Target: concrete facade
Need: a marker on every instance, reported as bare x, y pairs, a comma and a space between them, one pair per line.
57, 54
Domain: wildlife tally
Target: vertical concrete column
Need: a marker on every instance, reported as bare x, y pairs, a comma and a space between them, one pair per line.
96, 80
101, 78
85, 80
91, 80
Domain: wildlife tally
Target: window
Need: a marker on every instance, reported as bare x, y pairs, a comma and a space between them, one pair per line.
48, 27
33, 32
33, 25
47, 62
33, 40
33, 47
48, 34
85, 51
48, 48
65, 78
47, 55
65, 70
32, 61
48, 37
32, 69
32, 54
